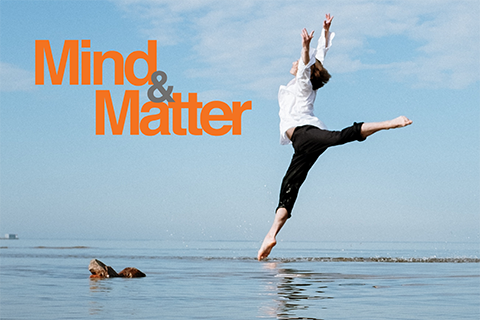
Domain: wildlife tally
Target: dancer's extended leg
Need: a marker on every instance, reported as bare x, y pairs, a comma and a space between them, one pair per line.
269, 242
369, 128
298, 169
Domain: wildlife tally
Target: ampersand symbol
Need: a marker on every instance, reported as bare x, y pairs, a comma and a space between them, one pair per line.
158, 85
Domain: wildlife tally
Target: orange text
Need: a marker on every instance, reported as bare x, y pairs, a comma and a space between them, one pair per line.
228, 118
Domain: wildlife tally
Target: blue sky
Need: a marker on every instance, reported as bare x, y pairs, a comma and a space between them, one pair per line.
421, 183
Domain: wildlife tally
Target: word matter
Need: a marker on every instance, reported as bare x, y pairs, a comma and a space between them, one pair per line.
216, 117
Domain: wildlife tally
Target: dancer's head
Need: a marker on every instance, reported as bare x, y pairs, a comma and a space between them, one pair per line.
319, 75
294, 69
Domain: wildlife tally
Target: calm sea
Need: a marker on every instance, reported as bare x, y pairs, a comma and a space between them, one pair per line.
49, 279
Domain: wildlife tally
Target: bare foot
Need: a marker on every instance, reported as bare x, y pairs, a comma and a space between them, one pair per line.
400, 122
267, 245
369, 128
269, 242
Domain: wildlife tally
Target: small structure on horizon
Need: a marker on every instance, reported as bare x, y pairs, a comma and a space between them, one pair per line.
11, 236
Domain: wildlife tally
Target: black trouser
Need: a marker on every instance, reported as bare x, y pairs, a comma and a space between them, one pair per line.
309, 143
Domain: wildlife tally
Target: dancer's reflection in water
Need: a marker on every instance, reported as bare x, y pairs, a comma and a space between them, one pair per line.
295, 291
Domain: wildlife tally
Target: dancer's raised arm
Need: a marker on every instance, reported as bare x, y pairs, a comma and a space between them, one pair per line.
306, 38
326, 27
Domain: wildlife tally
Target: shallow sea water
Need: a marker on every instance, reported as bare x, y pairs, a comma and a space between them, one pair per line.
49, 279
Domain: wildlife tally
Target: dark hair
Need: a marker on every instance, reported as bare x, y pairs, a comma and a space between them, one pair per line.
319, 75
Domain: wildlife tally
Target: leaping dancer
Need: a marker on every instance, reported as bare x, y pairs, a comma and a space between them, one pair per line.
301, 128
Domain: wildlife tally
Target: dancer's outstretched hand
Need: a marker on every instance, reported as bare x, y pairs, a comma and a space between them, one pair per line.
306, 38
327, 22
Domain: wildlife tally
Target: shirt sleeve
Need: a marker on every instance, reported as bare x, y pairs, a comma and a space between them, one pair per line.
322, 49
303, 76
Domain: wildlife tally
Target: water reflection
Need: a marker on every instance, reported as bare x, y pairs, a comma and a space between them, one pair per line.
297, 291
100, 285
96, 303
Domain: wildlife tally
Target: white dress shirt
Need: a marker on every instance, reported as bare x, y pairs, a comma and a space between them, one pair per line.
296, 99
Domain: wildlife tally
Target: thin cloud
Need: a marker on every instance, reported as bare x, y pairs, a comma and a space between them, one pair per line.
13, 78
239, 42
